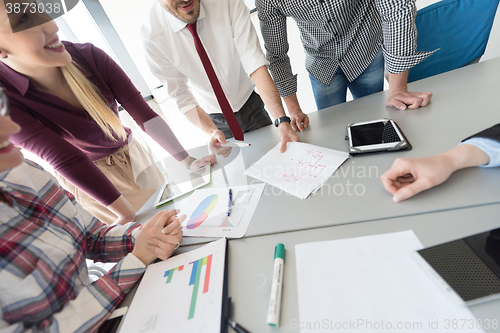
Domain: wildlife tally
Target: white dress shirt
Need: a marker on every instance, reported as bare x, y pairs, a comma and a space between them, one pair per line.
230, 41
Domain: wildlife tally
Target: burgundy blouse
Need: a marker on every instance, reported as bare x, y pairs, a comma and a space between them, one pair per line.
67, 137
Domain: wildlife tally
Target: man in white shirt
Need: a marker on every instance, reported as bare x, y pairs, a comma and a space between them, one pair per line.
233, 48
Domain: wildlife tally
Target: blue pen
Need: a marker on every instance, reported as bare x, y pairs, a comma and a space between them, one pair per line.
229, 204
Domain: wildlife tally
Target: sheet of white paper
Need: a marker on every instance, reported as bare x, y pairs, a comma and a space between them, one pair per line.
302, 169
181, 294
372, 284
206, 211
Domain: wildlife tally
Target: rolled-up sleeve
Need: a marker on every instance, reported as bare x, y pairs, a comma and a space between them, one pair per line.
400, 35
245, 38
274, 33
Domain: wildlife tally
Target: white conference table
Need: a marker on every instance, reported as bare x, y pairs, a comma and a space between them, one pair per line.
464, 102
249, 258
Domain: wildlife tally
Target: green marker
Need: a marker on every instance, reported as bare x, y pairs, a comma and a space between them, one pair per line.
273, 314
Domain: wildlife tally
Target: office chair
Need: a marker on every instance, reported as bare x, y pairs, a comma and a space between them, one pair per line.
458, 28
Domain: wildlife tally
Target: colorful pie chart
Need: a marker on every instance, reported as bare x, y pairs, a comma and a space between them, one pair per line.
201, 212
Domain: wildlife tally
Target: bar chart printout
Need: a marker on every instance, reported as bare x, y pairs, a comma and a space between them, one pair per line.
181, 294
195, 279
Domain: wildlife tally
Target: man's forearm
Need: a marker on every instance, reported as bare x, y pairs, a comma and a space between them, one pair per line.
268, 92
198, 117
292, 104
398, 82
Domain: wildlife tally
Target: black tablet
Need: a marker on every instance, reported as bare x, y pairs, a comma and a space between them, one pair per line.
375, 136
467, 269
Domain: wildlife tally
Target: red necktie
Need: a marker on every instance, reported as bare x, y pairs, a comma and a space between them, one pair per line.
227, 111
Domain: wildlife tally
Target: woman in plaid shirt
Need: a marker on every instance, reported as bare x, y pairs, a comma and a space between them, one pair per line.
45, 237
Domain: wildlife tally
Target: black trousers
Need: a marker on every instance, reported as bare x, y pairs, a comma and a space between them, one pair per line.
251, 116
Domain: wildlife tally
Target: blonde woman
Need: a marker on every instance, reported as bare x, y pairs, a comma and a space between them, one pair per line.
65, 96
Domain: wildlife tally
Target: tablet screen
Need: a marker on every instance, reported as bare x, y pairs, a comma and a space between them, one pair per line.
182, 184
470, 266
373, 134
167, 193
486, 246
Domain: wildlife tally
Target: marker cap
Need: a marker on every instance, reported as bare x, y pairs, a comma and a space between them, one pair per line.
279, 251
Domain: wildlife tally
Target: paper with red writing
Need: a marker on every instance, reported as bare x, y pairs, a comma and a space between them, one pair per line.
301, 170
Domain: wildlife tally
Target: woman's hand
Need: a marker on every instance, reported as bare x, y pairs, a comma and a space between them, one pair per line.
159, 237
201, 162
198, 163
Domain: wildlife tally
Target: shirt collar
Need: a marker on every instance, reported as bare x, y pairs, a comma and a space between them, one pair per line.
177, 24
18, 81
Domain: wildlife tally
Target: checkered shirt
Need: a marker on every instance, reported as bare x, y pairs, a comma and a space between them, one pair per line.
345, 33
45, 237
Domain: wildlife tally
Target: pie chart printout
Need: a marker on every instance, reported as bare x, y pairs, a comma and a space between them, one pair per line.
201, 212
213, 212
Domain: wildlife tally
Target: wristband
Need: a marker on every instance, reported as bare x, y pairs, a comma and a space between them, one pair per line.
281, 120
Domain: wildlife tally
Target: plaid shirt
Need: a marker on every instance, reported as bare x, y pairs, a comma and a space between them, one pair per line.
45, 237
337, 33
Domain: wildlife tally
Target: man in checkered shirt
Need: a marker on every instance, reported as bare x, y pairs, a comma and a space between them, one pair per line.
346, 43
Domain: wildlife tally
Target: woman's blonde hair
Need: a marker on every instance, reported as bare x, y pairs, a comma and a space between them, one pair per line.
93, 101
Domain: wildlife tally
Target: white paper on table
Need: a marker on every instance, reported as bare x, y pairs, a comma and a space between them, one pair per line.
206, 211
167, 301
300, 170
350, 283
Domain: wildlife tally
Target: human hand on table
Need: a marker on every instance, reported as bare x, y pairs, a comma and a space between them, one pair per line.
404, 99
159, 237
299, 120
287, 134
409, 176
